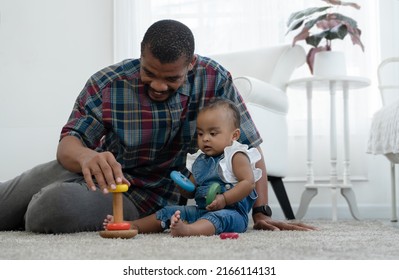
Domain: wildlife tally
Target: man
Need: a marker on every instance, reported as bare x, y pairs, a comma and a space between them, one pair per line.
133, 123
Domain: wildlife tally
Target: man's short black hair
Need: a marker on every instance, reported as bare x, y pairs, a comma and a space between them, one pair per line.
168, 40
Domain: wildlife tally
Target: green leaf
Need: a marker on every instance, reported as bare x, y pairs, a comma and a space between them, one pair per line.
338, 32
314, 40
295, 25
348, 20
305, 13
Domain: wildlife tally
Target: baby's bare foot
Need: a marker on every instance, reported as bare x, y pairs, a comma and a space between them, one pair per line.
175, 218
177, 226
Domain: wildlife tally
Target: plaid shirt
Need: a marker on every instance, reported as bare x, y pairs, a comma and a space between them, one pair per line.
150, 139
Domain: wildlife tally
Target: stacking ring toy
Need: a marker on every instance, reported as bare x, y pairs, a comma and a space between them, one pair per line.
118, 228
182, 181
214, 190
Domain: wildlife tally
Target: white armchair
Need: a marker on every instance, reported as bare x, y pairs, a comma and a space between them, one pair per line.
261, 76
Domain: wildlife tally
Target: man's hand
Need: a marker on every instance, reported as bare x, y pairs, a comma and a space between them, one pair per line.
104, 168
263, 222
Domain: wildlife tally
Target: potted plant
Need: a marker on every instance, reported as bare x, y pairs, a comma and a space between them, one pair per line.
326, 25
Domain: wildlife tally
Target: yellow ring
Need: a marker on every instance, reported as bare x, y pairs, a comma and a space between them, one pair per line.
119, 188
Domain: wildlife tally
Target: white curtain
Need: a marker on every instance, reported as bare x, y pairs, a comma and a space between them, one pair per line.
224, 26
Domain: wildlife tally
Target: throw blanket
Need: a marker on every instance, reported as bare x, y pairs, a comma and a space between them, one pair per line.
384, 133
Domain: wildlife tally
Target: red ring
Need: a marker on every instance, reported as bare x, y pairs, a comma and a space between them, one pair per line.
118, 226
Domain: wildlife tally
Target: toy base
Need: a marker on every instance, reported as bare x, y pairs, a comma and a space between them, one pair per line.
125, 234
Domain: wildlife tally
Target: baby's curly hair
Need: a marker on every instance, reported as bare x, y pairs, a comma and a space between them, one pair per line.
218, 102
168, 40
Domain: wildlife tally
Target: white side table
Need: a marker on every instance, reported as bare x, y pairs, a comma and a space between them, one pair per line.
332, 84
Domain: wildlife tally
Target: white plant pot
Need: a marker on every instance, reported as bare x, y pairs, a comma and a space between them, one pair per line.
329, 63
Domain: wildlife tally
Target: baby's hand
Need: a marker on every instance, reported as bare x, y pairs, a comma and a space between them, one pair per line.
218, 203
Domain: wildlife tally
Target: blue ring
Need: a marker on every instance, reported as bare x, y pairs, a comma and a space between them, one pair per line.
182, 181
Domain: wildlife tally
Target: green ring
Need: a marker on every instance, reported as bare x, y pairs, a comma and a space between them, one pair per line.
214, 190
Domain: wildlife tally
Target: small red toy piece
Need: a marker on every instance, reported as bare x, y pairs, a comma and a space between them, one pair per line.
229, 235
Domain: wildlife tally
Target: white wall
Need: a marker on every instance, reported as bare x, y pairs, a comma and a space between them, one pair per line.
389, 27
48, 49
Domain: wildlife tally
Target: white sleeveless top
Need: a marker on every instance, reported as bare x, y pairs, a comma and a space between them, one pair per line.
225, 168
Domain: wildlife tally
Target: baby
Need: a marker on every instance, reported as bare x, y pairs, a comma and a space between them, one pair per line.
220, 159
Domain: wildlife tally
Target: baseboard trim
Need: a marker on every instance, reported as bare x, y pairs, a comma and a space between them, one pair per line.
343, 212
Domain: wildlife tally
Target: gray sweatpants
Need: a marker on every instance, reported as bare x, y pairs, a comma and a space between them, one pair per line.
51, 199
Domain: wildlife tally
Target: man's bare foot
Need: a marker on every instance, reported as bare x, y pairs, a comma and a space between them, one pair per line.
107, 220
110, 219
177, 226
262, 222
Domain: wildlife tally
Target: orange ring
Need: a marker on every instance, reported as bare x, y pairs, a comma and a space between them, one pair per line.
118, 226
